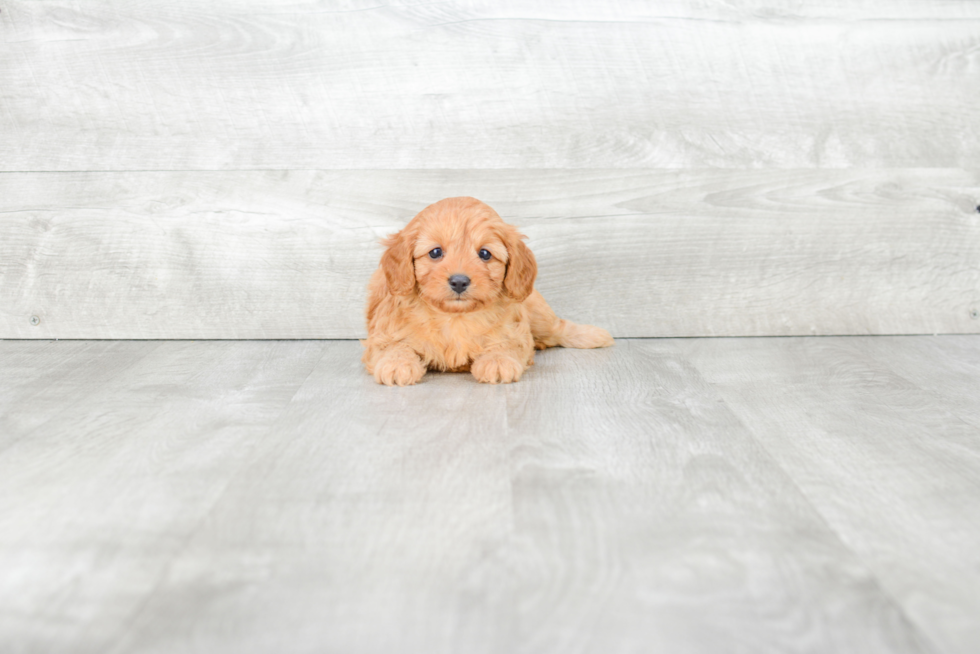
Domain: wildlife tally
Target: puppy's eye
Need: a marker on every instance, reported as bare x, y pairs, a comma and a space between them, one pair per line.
484, 254
435, 253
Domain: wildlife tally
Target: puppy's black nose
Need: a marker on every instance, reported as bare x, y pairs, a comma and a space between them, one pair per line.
459, 283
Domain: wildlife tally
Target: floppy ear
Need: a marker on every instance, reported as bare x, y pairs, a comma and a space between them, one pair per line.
521, 268
398, 263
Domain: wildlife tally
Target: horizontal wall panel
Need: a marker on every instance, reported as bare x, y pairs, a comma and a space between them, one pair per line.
287, 254
580, 84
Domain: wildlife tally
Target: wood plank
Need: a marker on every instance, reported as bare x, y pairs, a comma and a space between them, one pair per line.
945, 367
359, 508
96, 501
883, 459
579, 84
642, 252
607, 502
43, 379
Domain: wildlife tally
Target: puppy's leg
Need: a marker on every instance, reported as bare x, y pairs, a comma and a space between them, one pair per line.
398, 365
499, 366
509, 354
549, 330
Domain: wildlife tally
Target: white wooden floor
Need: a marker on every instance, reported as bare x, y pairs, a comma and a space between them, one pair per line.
691, 495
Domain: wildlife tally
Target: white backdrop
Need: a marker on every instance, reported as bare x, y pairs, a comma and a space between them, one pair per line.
224, 169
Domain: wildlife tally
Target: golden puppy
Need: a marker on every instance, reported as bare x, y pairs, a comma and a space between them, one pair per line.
455, 291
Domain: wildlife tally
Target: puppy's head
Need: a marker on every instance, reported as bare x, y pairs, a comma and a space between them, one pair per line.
458, 256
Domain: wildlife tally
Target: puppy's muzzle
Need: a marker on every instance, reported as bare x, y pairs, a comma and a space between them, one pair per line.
459, 283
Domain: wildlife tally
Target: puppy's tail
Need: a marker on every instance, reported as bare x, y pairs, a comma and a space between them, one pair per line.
549, 330
571, 334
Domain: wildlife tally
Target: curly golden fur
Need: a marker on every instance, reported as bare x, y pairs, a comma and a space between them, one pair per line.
418, 321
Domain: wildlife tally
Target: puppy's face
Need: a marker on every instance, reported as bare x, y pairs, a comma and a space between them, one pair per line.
457, 255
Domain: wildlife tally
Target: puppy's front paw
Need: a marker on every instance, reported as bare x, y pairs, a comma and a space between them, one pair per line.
399, 370
497, 369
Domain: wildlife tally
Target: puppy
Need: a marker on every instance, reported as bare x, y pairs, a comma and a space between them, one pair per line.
455, 291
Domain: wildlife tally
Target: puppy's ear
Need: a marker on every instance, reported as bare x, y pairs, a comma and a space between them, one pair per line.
398, 263
521, 268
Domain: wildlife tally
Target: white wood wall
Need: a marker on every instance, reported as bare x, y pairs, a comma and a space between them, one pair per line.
224, 169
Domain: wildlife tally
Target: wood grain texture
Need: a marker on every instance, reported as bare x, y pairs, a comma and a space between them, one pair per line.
886, 459
638, 495
353, 527
42, 380
259, 84
287, 254
944, 367
609, 502
96, 500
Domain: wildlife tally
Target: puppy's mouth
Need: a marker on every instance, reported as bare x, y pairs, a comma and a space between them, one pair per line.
459, 304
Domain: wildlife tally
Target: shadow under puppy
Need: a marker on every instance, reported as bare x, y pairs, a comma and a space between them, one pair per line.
455, 292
